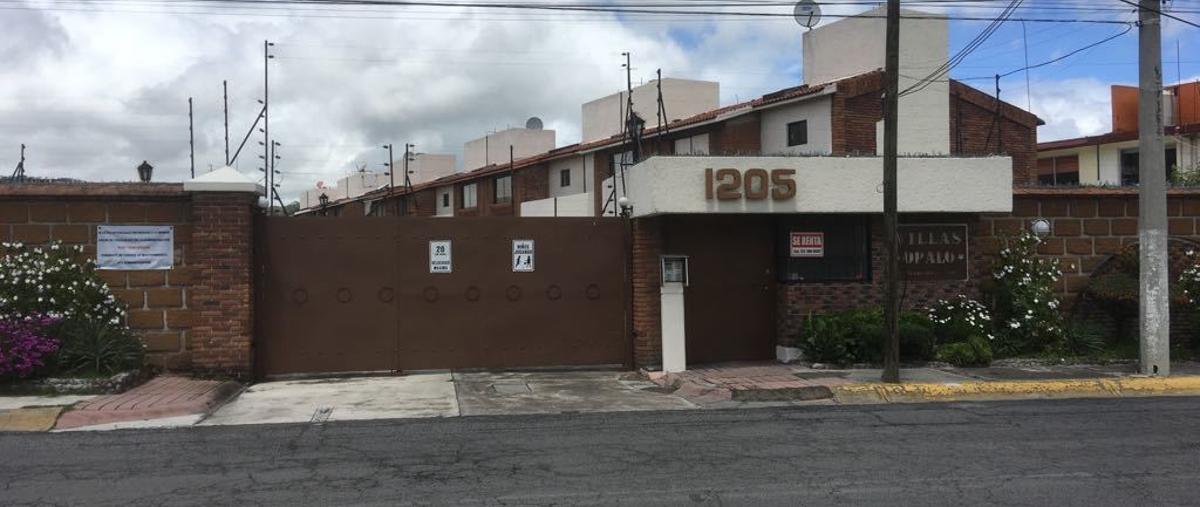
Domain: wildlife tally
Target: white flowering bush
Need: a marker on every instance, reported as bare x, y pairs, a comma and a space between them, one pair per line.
1025, 306
1189, 279
959, 318
54, 281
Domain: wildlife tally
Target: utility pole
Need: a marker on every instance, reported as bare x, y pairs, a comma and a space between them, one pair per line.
225, 97
891, 310
191, 138
273, 195
1154, 310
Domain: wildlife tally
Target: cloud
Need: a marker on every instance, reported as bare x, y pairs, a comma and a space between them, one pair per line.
1070, 107
93, 92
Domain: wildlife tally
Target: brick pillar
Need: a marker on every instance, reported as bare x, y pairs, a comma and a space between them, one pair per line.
647, 311
222, 296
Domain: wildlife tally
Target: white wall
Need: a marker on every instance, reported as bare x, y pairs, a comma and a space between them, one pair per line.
448, 209
359, 183
427, 167
682, 98
827, 185
856, 45
525, 143
820, 136
580, 175
1186, 149
574, 205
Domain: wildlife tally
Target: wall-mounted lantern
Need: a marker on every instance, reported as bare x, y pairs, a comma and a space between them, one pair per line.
1040, 227
145, 170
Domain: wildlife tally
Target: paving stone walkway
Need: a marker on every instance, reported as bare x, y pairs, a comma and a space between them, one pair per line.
161, 397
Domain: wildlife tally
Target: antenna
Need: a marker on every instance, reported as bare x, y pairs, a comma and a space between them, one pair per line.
534, 123
807, 13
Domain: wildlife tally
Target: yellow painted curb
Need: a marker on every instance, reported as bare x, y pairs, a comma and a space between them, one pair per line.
29, 419
1071, 388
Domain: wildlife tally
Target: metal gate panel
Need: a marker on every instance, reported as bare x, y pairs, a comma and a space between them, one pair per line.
569, 311
730, 298
355, 294
327, 296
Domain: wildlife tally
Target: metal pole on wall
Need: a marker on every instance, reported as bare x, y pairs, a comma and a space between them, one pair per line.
191, 138
891, 311
225, 100
1153, 309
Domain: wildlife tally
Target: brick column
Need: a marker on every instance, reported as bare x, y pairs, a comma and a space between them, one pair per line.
647, 311
222, 295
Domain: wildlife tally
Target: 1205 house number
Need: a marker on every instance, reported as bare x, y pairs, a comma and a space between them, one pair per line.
753, 184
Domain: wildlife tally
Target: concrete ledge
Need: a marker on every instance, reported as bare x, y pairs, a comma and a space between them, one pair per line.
1026, 389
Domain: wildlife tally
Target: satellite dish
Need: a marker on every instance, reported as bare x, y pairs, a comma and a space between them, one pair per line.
807, 13
533, 123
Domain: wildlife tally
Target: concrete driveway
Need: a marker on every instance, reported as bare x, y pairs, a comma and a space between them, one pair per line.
341, 399
488, 393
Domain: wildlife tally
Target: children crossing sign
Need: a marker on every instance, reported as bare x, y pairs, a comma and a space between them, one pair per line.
522, 255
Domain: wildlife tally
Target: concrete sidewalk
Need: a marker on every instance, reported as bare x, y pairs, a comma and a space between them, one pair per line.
179, 401
740, 384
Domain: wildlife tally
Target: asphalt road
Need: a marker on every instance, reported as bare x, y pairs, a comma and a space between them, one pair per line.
1083, 452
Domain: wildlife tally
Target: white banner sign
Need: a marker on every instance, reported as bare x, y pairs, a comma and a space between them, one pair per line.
135, 246
439, 256
522, 252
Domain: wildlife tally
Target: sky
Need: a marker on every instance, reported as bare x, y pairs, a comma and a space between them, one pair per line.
95, 87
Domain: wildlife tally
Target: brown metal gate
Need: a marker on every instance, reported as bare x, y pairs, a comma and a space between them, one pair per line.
356, 294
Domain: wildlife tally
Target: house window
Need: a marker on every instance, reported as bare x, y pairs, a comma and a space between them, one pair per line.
845, 253
1130, 171
468, 196
564, 178
1063, 170
797, 133
446, 200
502, 189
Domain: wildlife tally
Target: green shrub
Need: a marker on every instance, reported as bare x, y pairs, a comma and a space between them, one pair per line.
54, 281
857, 336
823, 340
96, 348
1085, 339
976, 351
1026, 306
917, 338
959, 318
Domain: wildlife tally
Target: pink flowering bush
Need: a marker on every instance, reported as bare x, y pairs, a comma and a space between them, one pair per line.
24, 345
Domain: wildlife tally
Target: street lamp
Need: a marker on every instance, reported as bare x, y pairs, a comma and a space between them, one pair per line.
324, 202
625, 206
145, 170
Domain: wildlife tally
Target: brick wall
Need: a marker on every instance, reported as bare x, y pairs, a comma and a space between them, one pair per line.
795, 301
975, 127
531, 184
646, 302
223, 291
1088, 226
188, 316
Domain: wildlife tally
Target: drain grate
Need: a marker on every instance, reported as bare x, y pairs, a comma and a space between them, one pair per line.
320, 415
510, 388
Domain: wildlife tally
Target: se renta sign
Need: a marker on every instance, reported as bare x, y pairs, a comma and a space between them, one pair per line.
129, 247
808, 244
439, 256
